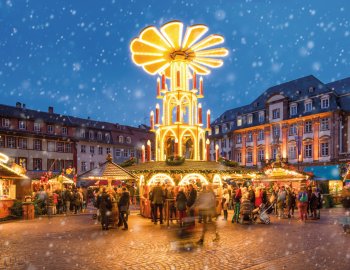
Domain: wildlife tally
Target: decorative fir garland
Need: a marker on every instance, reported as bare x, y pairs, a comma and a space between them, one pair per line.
227, 162
128, 162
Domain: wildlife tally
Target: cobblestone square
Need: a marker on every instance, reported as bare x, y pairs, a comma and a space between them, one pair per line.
77, 242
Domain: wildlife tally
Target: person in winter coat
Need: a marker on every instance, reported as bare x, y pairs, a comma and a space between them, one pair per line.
158, 201
225, 202
181, 202
303, 203
258, 197
237, 204
191, 198
281, 199
251, 195
104, 204
123, 206
314, 202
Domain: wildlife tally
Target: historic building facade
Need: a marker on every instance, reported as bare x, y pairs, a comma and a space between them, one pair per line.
47, 141
303, 121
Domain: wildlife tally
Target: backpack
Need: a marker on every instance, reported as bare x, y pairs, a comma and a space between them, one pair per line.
303, 197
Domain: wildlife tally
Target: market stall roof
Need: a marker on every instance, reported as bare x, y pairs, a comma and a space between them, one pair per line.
7, 172
62, 179
327, 172
279, 171
194, 166
107, 171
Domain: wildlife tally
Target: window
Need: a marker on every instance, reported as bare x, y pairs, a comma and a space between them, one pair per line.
293, 130
292, 152
50, 129
244, 119
11, 142
308, 106
2, 141
82, 133
132, 153
60, 147
64, 131
22, 124
324, 149
92, 165
276, 131
108, 150
100, 150
37, 164
250, 136
293, 109
261, 155
274, 153
276, 113
37, 127
99, 135
82, 149
261, 117
126, 152
67, 148
308, 150
308, 127
92, 149
37, 145
261, 135
230, 142
238, 138
239, 157
249, 157
83, 166
22, 143
5, 122
239, 121
224, 128
325, 103
217, 129
324, 124
91, 135
108, 137
250, 118
117, 152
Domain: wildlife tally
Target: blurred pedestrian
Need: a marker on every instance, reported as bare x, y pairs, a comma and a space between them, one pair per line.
123, 206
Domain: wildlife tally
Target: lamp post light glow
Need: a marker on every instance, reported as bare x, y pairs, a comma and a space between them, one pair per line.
178, 55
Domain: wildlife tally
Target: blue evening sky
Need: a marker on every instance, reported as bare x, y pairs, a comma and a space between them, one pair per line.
74, 55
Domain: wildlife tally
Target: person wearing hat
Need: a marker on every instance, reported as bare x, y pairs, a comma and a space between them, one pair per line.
104, 204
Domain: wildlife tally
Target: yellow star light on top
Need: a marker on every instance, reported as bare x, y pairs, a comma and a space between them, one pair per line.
155, 50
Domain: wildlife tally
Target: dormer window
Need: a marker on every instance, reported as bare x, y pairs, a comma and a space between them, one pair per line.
64, 130
82, 133
99, 136
5, 122
311, 89
37, 127
91, 135
325, 102
239, 121
308, 106
276, 113
298, 92
22, 124
121, 139
293, 109
261, 117
217, 129
250, 118
108, 137
128, 140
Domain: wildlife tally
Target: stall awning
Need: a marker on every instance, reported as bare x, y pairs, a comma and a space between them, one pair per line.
327, 172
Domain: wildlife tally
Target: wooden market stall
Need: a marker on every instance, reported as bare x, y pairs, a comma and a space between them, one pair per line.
14, 185
109, 172
282, 174
198, 173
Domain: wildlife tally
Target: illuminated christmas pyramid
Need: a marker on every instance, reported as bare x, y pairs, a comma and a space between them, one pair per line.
178, 59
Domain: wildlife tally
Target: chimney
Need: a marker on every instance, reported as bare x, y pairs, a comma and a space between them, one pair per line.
18, 105
88, 118
50, 109
23, 106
